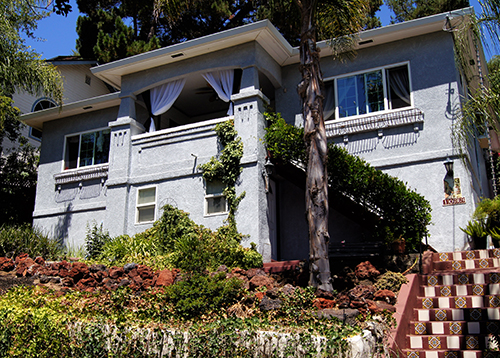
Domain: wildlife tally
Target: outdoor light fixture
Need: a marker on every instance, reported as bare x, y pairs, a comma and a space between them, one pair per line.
448, 164
266, 173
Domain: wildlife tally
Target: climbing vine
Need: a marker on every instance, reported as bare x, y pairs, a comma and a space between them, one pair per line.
226, 167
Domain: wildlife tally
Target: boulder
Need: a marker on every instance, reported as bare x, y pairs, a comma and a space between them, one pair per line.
164, 278
261, 281
116, 272
385, 295
322, 303
6, 264
268, 304
365, 270
359, 293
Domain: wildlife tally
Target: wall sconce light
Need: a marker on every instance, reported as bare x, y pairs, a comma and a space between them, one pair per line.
448, 164
266, 173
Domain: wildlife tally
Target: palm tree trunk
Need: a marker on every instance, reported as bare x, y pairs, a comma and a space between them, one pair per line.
317, 209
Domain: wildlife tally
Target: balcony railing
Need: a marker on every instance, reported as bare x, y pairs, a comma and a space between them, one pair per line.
78, 175
374, 122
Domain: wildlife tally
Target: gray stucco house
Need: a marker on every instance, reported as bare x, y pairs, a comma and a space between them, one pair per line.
120, 157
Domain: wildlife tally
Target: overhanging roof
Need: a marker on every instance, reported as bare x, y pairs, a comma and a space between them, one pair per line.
270, 39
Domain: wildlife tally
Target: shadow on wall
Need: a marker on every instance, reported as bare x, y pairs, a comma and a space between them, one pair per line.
62, 227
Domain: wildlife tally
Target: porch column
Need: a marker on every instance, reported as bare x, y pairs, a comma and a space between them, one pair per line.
252, 216
118, 202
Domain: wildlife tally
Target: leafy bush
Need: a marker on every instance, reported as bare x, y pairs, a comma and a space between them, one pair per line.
402, 212
95, 239
201, 294
177, 241
17, 239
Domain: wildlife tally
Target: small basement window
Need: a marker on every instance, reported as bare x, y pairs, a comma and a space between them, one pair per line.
215, 201
146, 205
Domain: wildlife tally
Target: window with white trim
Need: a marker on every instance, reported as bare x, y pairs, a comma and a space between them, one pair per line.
84, 149
215, 201
146, 205
368, 92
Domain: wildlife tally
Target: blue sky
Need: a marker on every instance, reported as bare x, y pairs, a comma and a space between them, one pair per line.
57, 34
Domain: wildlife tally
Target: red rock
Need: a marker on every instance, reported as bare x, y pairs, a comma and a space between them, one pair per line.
164, 278
261, 281
344, 301
322, 303
385, 295
39, 260
116, 272
67, 282
85, 283
255, 272
21, 257
6, 264
78, 271
147, 283
145, 272
361, 292
133, 273
259, 295
63, 272
366, 270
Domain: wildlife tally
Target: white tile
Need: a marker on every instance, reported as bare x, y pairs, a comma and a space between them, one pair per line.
423, 315
469, 264
453, 342
415, 342
493, 313
429, 291
457, 315
461, 290
494, 288
437, 327
496, 262
470, 354
444, 302
473, 327
457, 256
479, 278
431, 354
477, 301
447, 280
483, 254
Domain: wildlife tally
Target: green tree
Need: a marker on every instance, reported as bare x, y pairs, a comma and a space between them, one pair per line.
21, 69
405, 10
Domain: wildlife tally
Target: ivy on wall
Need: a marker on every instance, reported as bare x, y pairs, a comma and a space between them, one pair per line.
226, 167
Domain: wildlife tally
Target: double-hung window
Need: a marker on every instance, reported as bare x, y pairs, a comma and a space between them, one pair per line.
368, 92
84, 149
146, 205
215, 201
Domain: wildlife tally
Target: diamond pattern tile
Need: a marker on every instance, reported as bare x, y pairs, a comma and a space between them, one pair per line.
491, 355
494, 301
478, 290
492, 327
434, 342
484, 263
460, 302
494, 277
475, 314
470, 255
496, 253
451, 354
412, 354
443, 256
456, 327
441, 315
420, 328
427, 303
471, 342
445, 291
457, 265
463, 279
432, 280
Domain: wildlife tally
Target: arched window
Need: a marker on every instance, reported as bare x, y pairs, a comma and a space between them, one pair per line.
42, 103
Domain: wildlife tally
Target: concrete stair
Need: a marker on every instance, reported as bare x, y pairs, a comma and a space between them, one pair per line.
457, 310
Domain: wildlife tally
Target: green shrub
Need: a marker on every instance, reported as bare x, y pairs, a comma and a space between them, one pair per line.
201, 294
95, 239
17, 239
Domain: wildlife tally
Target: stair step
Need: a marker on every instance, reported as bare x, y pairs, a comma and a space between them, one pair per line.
486, 301
457, 278
408, 353
462, 290
476, 264
462, 342
450, 314
454, 327
466, 255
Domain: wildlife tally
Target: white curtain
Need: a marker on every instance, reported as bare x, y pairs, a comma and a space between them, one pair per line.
163, 97
400, 83
222, 83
